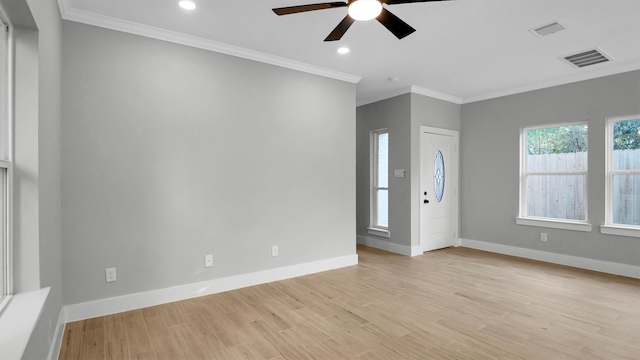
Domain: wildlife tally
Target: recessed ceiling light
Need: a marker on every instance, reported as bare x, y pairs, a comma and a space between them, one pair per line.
343, 50
185, 4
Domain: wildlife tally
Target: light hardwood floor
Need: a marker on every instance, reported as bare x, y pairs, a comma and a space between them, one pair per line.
455, 303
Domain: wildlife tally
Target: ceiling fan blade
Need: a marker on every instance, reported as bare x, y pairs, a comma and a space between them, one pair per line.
395, 2
342, 28
393, 23
310, 7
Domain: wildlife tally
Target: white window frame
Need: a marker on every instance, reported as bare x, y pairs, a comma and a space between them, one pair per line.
374, 228
6, 235
523, 218
609, 227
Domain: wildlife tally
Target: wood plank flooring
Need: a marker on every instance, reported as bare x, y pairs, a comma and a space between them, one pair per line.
455, 303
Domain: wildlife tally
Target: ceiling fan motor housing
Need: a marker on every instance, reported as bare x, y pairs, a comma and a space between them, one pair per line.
375, 10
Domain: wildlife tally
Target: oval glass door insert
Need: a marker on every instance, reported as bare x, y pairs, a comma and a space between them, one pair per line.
438, 176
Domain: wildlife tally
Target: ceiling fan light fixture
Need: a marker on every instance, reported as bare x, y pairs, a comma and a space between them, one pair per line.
363, 10
188, 5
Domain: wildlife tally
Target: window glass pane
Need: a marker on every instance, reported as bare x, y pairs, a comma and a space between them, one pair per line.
626, 145
382, 204
438, 175
556, 196
557, 149
625, 199
383, 160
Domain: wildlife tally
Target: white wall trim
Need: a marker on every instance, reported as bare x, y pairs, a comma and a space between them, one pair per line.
140, 300
554, 224
18, 321
620, 230
56, 343
71, 14
379, 232
435, 94
568, 260
582, 76
412, 89
385, 96
389, 246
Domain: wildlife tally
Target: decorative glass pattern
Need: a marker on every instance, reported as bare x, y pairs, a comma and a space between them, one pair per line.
438, 176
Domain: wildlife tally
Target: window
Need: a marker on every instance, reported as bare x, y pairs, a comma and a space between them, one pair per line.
553, 182
380, 183
5, 164
623, 176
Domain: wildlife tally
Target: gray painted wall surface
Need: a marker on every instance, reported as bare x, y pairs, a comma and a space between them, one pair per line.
426, 111
26, 170
37, 164
490, 164
395, 115
402, 115
170, 153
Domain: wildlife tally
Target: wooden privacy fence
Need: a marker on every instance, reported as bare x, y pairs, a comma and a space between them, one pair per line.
626, 188
564, 196
557, 196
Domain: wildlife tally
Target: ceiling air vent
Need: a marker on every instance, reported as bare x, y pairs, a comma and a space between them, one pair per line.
586, 58
548, 29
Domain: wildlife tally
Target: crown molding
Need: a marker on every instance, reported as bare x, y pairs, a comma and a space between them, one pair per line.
590, 75
385, 96
85, 17
415, 90
435, 94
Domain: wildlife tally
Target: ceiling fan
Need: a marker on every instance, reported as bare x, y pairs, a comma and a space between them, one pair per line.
359, 10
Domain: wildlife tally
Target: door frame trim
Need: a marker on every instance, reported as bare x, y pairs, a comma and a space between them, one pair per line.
455, 169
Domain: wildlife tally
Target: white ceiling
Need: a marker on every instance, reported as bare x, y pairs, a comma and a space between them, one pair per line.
462, 50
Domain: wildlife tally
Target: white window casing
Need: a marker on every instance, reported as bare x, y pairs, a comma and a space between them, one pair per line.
6, 168
610, 227
379, 175
526, 172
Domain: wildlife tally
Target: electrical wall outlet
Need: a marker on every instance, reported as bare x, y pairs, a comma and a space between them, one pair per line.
543, 237
274, 250
208, 261
111, 274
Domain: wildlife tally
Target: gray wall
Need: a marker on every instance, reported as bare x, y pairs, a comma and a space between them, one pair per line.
402, 115
170, 153
426, 111
37, 229
395, 115
490, 164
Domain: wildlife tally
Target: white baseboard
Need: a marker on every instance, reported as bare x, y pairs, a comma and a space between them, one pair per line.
118, 304
56, 342
568, 260
389, 246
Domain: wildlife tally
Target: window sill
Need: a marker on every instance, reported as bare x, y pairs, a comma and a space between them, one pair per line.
554, 224
620, 230
379, 232
18, 320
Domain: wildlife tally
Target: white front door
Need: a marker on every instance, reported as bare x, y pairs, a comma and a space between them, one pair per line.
438, 188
